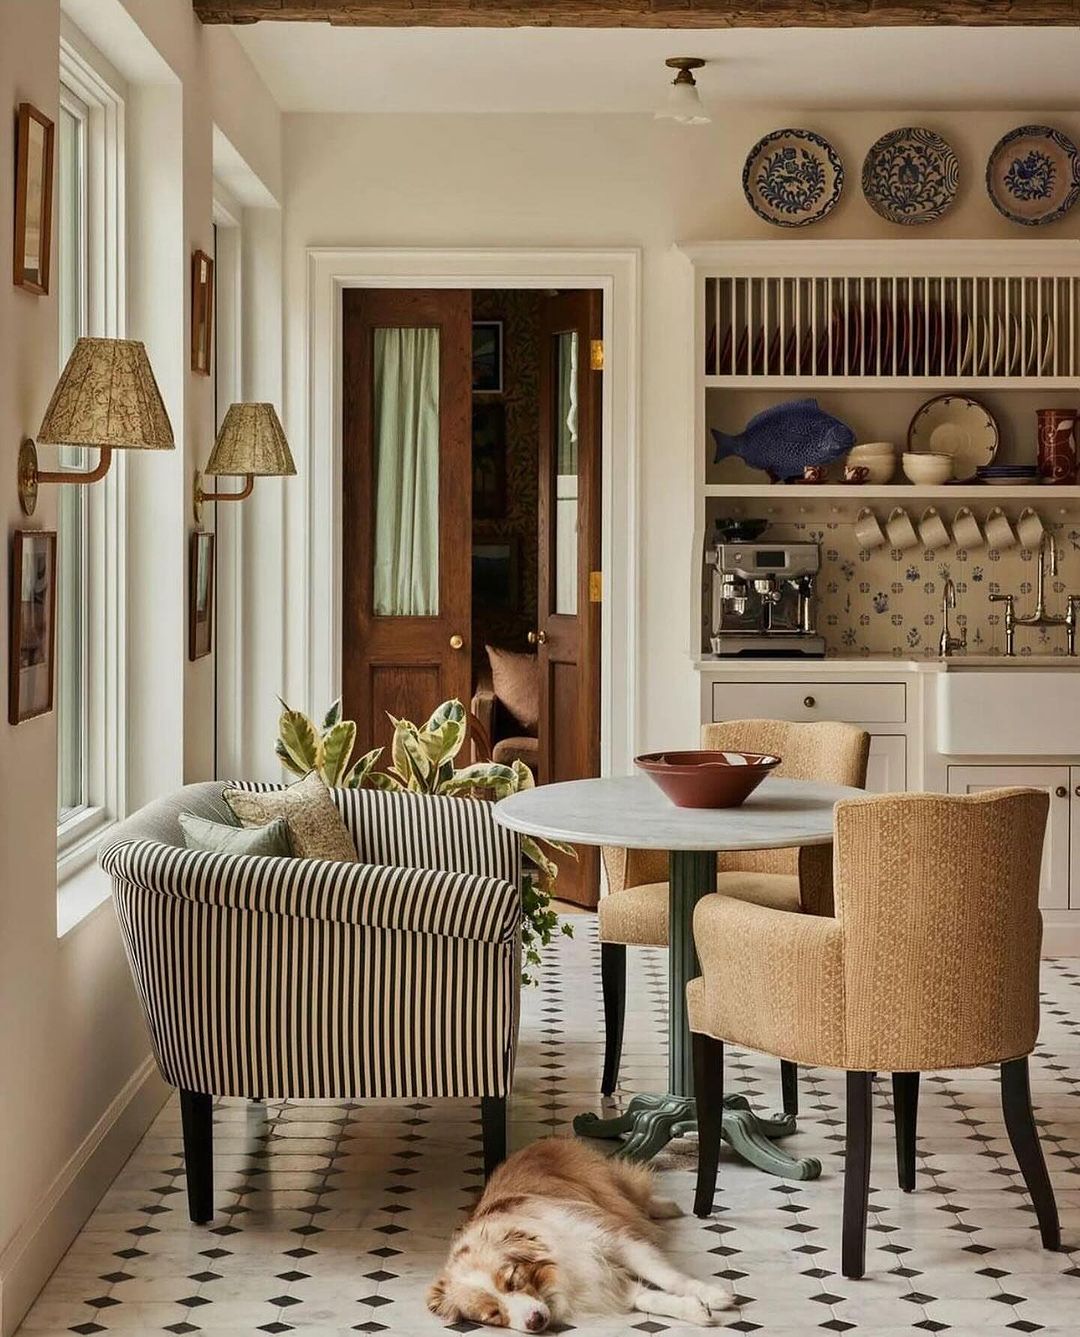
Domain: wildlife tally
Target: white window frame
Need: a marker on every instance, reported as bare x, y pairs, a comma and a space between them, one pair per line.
90, 82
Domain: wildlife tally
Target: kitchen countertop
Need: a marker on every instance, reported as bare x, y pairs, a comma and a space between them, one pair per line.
883, 664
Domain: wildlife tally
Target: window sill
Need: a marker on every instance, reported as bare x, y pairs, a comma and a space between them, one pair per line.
81, 885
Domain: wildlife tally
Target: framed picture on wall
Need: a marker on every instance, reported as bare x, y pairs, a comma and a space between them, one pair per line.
487, 357
32, 638
489, 460
34, 137
202, 312
201, 595
495, 579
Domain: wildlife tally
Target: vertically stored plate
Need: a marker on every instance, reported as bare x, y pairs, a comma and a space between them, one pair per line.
792, 178
1033, 176
910, 176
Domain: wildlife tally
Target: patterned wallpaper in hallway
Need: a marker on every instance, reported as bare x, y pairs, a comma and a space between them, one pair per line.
888, 601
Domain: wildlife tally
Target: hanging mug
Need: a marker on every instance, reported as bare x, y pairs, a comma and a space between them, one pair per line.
965, 529
900, 530
1057, 444
1030, 529
999, 532
868, 530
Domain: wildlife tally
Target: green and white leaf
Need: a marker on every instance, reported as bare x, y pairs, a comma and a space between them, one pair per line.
282, 753
335, 749
332, 715
299, 738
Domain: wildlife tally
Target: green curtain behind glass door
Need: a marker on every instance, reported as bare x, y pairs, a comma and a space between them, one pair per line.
406, 434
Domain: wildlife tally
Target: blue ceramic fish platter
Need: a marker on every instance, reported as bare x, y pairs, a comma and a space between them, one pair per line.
786, 438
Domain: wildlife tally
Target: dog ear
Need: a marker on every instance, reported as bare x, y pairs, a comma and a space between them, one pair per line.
523, 1247
438, 1302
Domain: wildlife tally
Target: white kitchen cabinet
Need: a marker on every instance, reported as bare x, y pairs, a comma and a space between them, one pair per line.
886, 770
807, 700
1059, 782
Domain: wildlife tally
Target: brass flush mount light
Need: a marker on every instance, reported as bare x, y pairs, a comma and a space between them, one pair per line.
251, 443
106, 399
683, 100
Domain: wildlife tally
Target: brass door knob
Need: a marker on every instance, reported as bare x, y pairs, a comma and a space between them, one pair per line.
456, 642
537, 638
1061, 792
809, 702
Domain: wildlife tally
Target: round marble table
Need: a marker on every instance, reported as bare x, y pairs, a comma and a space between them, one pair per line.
630, 811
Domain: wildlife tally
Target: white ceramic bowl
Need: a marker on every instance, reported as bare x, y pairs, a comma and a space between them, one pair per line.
873, 448
926, 469
880, 468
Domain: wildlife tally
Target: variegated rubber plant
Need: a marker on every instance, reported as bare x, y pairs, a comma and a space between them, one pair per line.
422, 762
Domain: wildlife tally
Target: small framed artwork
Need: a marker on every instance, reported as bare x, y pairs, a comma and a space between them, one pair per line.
202, 312
32, 641
487, 357
489, 460
34, 136
201, 595
495, 573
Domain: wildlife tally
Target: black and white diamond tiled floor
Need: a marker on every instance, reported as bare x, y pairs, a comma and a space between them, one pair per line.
333, 1218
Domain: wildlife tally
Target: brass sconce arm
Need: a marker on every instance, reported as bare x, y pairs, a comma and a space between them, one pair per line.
199, 496
30, 476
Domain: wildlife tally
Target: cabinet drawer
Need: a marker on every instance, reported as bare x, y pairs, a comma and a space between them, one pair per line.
853, 702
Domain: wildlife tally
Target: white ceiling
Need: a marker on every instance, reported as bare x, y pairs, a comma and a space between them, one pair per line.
318, 68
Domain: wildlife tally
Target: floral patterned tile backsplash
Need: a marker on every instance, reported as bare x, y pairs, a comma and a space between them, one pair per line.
888, 601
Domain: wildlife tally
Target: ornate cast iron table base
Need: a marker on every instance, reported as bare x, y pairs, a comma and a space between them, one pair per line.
650, 1122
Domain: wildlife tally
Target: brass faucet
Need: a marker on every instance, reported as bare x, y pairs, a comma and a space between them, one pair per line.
1048, 566
948, 642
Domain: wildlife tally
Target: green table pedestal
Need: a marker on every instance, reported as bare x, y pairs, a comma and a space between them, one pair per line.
651, 1121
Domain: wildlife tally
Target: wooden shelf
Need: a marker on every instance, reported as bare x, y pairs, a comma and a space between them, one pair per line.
864, 493
812, 385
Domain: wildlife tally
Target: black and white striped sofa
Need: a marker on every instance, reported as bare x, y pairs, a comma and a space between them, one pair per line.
395, 977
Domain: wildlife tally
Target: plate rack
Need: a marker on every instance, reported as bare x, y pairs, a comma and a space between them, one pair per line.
971, 327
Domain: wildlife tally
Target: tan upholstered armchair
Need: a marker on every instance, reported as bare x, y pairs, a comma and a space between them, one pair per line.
931, 961
635, 910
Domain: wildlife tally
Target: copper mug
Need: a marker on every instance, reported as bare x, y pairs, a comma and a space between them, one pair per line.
1057, 445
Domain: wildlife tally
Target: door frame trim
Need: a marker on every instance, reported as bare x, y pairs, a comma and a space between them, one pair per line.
316, 435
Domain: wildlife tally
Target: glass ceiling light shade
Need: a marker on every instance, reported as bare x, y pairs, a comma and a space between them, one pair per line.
683, 100
106, 398
251, 443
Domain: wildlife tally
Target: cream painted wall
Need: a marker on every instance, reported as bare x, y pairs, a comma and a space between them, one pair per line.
544, 181
78, 1085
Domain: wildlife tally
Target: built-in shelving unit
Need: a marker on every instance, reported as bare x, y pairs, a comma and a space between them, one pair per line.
873, 329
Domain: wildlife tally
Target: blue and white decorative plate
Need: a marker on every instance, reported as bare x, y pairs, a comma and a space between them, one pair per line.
1033, 175
910, 176
792, 178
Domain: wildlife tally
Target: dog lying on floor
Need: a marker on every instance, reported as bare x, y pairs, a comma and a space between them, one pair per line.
560, 1231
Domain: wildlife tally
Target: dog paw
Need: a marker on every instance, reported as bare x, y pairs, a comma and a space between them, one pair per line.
694, 1311
714, 1297
664, 1209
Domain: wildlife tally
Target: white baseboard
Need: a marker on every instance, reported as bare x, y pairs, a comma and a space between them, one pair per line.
1061, 933
44, 1237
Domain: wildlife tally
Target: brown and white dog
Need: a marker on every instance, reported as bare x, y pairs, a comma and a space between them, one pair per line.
560, 1231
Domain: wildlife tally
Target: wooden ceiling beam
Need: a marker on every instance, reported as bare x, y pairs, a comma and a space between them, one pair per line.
645, 13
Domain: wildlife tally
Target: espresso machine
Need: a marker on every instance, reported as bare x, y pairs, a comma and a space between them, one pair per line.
763, 600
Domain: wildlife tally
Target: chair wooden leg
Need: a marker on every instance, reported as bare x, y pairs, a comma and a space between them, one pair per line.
860, 1117
493, 1120
709, 1098
789, 1086
905, 1087
613, 982
197, 1117
1024, 1136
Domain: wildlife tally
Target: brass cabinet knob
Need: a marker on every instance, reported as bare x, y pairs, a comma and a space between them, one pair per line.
456, 642
809, 702
1061, 792
1076, 791
537, 638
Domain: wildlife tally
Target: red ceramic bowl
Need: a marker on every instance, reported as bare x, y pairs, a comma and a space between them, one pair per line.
707, 779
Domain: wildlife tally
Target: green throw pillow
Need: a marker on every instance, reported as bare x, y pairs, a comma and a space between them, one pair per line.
220, 838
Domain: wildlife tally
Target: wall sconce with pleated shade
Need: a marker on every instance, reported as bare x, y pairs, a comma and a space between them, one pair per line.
106, 399
250, 444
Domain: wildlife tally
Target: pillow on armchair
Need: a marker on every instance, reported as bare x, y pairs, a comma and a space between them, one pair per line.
516, 680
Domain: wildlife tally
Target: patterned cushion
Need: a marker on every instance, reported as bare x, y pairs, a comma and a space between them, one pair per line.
315, 826
516, 679
221, 838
